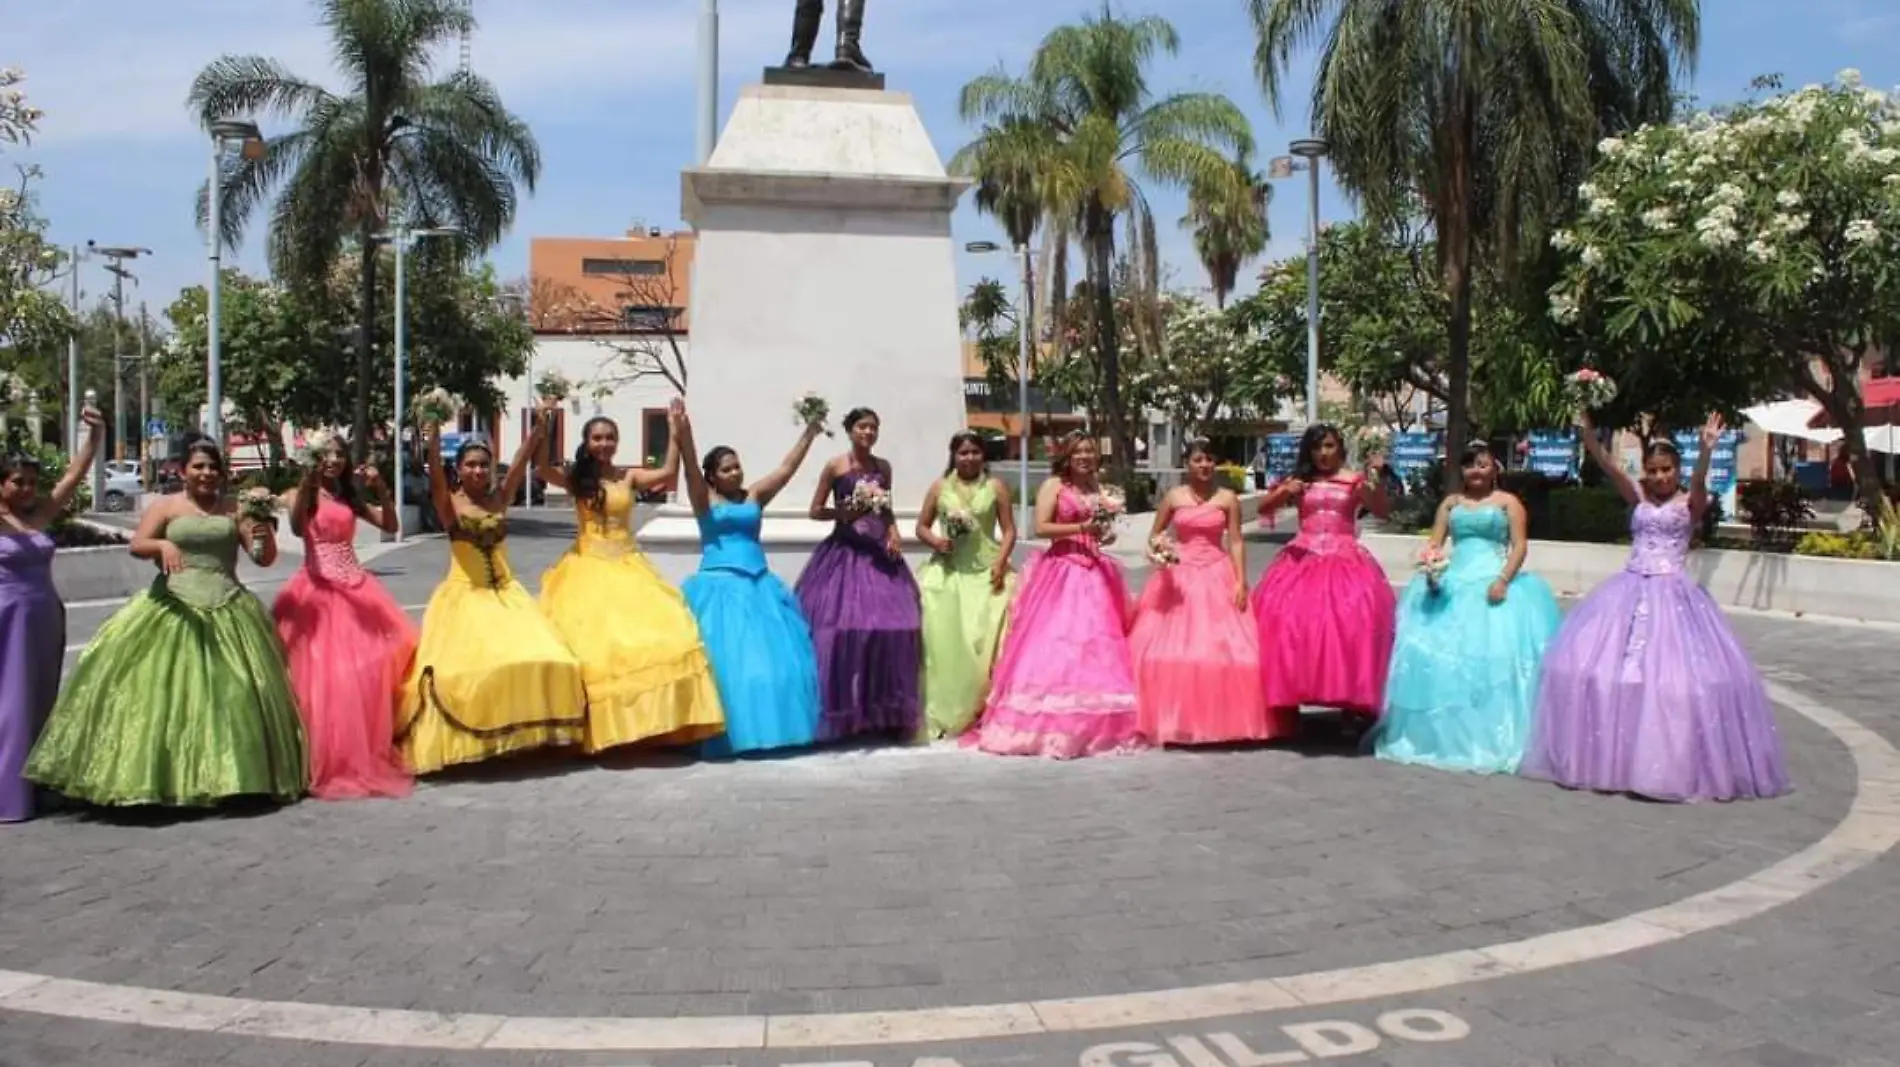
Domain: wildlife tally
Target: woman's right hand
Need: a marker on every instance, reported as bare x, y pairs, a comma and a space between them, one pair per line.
170, 559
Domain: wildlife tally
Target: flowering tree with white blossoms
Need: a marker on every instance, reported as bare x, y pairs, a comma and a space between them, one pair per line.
1761, 241
28, 313
1210, 363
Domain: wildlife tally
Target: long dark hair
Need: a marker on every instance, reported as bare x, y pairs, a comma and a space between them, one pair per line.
1065, 447
958, 440
584, 475
710, 465
1305, 465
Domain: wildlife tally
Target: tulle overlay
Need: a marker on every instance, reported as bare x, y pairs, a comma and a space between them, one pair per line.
491, 676
1646, 690
1064, 685
1325, 612
1464, 670
963, 614
756, 638
866, 626
349, 647
181, 698
32, 645
1196, 652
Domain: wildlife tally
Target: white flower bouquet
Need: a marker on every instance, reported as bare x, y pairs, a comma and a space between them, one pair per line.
1590, 388
436, 407
812, 410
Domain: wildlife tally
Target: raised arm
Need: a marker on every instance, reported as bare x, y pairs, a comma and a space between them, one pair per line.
1699, 482
646, 479
519, 467
1587, 430
696, 490
374, 506
435, 463
305, 500
548, 466
76, 470
768, 487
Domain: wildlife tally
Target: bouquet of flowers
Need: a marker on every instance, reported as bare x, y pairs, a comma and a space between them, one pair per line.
958, 522
553, 386
812, 410
1110, 504
1590, 388
1161, 551
1432, 563
315, 444
870, 498
259, 505
436, 407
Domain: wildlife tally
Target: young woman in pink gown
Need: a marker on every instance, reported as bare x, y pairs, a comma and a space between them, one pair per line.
1064, 685
1196, 648
348, 643
1325, 609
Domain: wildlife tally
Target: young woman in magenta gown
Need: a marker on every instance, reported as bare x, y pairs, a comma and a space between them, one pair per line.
1064, 684
32, 617
1470, 642
349, 643
1324, 607
970, 526
861, 600
757, 639
1195, 644
1645, 689
491, 677
647, 674
182, 698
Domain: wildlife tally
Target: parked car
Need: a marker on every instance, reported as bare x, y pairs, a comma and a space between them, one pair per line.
128, 467
122, 493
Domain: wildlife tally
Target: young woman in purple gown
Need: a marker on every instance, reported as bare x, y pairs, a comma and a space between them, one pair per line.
32, 618
862, 601
1645, 689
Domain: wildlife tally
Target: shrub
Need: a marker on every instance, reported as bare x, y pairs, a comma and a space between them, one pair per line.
1774, 510
1856, 545
1233, 476
1416, 508
1587, 513
1534, 489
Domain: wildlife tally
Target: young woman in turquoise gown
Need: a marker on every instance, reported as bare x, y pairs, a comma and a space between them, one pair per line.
756, 637
1471, 641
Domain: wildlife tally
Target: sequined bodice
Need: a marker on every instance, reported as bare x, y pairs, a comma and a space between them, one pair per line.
329, 543
872, 527
26, 564
1480, 540
976, 550
1329, 514
607, 532
729, 537
1660, 535
209, 544
1199, 530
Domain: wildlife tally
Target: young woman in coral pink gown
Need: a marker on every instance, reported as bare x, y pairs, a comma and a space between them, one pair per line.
1324, 608
1196, 648
1064, 685
348, 643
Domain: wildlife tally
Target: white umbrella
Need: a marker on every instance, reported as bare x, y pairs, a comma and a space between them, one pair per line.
1790, 418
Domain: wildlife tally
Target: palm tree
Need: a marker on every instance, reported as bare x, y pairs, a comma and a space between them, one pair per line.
1485, 112
1229, 230
445, 149
1087, 89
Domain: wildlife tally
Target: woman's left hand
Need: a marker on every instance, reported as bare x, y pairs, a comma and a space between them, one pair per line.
1499, 590
370, 478
1240, 595
894, 544
999, 574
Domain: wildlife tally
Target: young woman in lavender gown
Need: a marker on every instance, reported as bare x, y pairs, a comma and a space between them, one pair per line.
32, 617
861, 599
1645, 689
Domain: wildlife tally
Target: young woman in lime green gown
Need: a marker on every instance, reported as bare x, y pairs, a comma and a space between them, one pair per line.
182, 698
966, 585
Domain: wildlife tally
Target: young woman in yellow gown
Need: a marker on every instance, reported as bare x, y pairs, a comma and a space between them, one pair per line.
490, 676
648, 677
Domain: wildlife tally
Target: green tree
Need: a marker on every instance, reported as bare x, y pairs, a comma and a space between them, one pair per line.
30, 315
1752, 249
1087, 87
1229, 224
1484, 112
439, 152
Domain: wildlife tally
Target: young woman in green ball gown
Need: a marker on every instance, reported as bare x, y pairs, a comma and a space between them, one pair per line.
182, 698
966, 586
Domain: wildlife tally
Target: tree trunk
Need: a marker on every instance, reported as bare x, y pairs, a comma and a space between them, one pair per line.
1101, 244
1454, 241
366, 360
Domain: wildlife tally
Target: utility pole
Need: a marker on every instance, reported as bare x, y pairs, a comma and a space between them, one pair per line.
145, 401
118, 255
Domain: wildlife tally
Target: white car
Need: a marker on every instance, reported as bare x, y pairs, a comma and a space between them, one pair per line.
127, 467
121, 493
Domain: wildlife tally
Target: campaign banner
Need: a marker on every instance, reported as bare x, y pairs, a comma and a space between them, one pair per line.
1553, 453
1282, 450
1413, 452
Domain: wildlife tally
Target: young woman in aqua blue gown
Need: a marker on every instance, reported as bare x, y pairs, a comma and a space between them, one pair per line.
1463, 682
756, 636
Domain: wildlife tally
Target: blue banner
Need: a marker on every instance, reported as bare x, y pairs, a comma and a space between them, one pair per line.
1413, 452
1721, 463
1282, 450
1553, 453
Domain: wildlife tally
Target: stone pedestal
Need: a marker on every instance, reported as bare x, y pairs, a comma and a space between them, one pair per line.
825, 264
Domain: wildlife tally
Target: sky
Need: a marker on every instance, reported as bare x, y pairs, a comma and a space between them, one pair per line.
607, 86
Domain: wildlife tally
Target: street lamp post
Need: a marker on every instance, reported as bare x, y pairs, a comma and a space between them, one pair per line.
223, 132
1024, 301
401, 237
1312, 150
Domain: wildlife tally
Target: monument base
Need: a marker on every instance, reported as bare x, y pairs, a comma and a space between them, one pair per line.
831, 77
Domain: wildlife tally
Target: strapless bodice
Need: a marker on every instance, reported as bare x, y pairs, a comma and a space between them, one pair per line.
1329, 517
329, 539
1199, 533
1480, 540
209, 544
1660, 535
607, 532
26, 562
729, 538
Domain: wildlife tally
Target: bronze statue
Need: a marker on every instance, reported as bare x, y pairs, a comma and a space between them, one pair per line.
850, 28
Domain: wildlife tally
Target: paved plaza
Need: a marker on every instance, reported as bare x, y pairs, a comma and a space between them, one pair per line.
1241, 907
